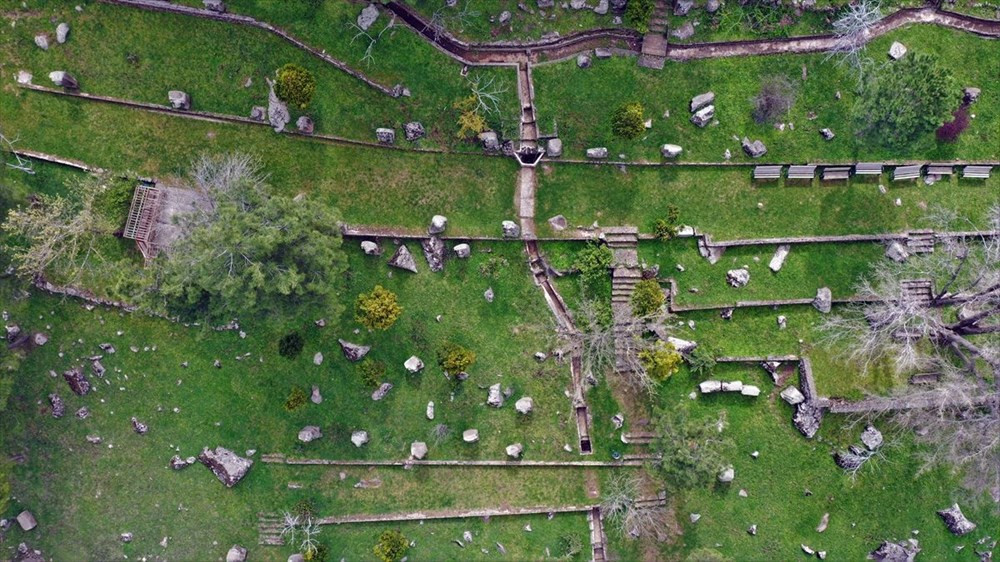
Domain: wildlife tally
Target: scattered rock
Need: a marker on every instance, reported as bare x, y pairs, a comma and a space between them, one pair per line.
782, 322
510, 229
305, 125
754, 149
433, 249
236, 554
316, 397
712, 6
367, 16
490, 140
58, 406
24, 77
583, 61
824, 300
62, 32
258, 113
685, 31
353, 351
752, 530
778, 259
98, 368
807, 418
430, 410
403, 259
598, 153
414, 364
602, 7
418, 450
489, 295
827, 134
897, 50
495, 398
277, 110
214, 5
505, 17
524, 405
462, 251
177, 463
179, 99
139, 427
125, 537
682, 7
438, 224
514, 451
955, 520
807, 550
381, 391
77, 381
64, 79
824, 522
671, 150
385, 136
738, 277
470, 435
871, 438
703, 116
413, 130
42, 41
792, 395
558, 223
727, 475
618, 420
702, 100
26, 520
94, 439
359, 438
694, 517
318, 358
970, 95
553, 148
897, 252
750, 390
905, 551
227, 466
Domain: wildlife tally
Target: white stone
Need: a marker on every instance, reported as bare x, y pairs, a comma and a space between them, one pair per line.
24, 77
62, 32
779, 257
430, 410
438, 224
671, 150
750, 390
727, 475
310, 433
462, 251
734, 386
514, 451
707, 387
470, 435
897, 50
414, 364
524, 405
682, 346
418, 450
359, 438
318, 358
792, 395
42, 40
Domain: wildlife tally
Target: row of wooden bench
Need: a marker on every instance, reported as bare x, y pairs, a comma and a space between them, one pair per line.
899, 173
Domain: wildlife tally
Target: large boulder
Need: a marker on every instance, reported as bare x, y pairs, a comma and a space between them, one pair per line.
62, 32
359, 438
792, 395
462, 251
685, 31
897, 252
524, 405
381, 391
671, 150
955, 520
64, 79
26, 520
227, 466
236, 554
510, 229
58, 406
433, 249
77, 381
824, 300
871, 438
778, 259
413, 364
553, 148
738, 277
179, 99
403, 259
413, 130
353, 351
310, 433
495, 397
703, 116
367, 16
438, 224
470, 435
727, 475
418, 450
702, 100
277, 110
597, 153
490, 140
305, 125
905, 551
385, 136
754, 149
807, 418
514, 451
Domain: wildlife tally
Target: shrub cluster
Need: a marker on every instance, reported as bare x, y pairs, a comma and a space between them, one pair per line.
627, 120
295, 85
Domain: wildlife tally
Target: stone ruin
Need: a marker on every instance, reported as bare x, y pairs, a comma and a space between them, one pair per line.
227, 466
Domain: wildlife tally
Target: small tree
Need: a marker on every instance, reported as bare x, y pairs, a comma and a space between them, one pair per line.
637, 14
632, 519
907, 99
701, 360
775, 99
379, 309
296, 399
594, 262
371, 372
692, 451
391, 546
647, 298
627, 120
295, 85
660, 361
290, 345
470, 121
666, 229
454, 358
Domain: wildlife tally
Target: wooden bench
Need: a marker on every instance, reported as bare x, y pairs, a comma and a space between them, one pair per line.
868, 169
910, 172
976, 172
940, 169
767, 172
807, 172
836, 173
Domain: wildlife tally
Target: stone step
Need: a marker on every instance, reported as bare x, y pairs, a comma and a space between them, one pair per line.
654, 62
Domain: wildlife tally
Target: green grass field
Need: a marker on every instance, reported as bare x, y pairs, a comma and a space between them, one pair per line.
581, 101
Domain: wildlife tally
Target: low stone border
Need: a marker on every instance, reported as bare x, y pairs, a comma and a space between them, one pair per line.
277, 458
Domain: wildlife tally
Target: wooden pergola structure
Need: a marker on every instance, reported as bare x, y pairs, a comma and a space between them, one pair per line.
151, 218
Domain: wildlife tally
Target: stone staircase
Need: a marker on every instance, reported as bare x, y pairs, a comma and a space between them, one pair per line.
654, 42
917, 291
920, 241
269, 527
626, 273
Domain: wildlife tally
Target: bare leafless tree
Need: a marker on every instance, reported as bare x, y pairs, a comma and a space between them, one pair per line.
289, 527
445, 17
630, 515
369, 56
309, 545
488, 93
852, 31
954, 333
236, 177
22, 164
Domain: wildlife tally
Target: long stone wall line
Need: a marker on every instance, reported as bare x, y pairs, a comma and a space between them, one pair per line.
161, 6
277, 458
452, 514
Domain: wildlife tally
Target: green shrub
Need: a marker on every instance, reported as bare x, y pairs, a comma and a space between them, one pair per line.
371, 372
296, 399
295, 85
702, 360
454, 358
493, 266
638, 13
593, 262
305, 509
661, 361
379, 309
647, 298
115, 200
290, 345
391, 546
627, 121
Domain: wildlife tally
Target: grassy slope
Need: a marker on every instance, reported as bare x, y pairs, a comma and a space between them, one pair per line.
369, 187
523, 25
580, 102
137, 54
723, 202
887, 501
